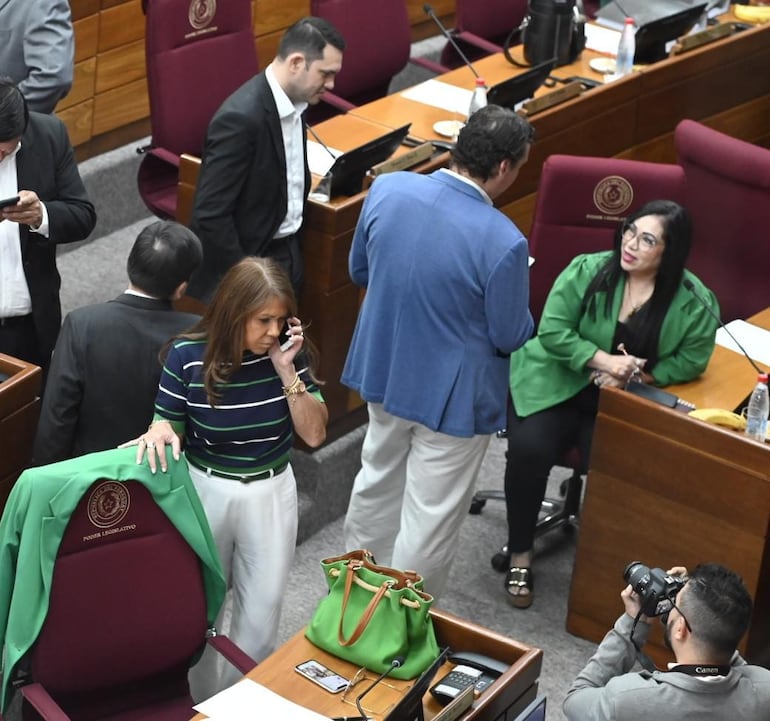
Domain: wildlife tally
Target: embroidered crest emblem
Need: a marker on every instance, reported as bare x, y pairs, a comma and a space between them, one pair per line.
108, 504
613, 195
201, 13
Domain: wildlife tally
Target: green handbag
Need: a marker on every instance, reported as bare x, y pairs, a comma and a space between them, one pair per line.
374, 614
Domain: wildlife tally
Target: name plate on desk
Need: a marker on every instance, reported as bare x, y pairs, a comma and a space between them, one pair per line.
569, 91
403, 161
688, 42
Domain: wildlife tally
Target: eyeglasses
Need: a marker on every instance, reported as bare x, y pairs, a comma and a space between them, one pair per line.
380, 704
664, 617
646, 241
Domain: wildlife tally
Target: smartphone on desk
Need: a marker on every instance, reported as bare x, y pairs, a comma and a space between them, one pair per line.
324, 677
472, 669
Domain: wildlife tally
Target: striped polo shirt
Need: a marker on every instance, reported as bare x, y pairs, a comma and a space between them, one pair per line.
250, 427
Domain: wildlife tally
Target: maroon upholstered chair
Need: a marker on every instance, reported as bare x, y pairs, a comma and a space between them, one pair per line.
377, 45
481, 28
728, 195
580, 203
197, 55
127, 616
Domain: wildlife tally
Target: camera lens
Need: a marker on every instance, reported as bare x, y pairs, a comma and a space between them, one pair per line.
637, 575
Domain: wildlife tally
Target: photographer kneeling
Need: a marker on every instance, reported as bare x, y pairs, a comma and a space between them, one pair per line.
705, 616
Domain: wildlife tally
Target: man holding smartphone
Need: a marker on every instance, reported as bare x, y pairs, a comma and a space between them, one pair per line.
37, 165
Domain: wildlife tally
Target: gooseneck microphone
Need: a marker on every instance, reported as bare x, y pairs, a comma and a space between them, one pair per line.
320, 142
394, 664
687, 283
428, 10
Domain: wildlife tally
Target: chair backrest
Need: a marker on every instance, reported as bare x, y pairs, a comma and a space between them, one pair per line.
377, 44
490, 20
197, 55
127, 608
581, 202
728, 194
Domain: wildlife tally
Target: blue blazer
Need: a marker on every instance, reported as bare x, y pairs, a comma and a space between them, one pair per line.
447, 295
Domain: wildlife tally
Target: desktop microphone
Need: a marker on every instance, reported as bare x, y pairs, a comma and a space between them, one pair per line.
394, 664
687, 283
428, 10
320, 142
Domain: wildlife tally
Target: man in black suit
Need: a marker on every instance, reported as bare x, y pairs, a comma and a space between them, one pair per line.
105, 368
254, 178
37, 165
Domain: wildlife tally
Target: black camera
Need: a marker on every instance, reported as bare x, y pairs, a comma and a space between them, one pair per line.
656, 589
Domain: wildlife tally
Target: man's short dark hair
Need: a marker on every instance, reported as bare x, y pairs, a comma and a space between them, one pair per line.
164, 256
718, 608
491, 135
310, 36
14, 114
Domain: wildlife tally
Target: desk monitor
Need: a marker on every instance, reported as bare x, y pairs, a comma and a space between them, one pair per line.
658, 22
534, 712
520, 87
409, 708
350, 168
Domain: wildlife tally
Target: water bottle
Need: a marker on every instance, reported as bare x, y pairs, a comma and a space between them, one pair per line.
624, 60
479, 97
757, 412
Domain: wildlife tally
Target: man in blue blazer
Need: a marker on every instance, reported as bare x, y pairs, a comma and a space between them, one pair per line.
254, 177
447, 295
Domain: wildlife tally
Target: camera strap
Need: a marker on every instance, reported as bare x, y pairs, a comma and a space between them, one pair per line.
701, 670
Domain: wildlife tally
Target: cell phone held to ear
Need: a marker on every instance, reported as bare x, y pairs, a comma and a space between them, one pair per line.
7, 202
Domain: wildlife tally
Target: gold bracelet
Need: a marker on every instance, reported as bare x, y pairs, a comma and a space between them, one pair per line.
294, 388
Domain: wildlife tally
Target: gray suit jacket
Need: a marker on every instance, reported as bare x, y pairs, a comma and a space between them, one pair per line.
104, 375
241, 196
606, 690
37, 49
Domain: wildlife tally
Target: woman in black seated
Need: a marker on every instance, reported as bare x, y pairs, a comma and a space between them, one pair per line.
609, 317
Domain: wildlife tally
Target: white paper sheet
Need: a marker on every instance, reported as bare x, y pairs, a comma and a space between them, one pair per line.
248, 700
440, 95
318, 159
601, 39
754, 339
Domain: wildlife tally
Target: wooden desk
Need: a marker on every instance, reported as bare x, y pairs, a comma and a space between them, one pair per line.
725, 85
728, 379
19, 411
666, 490
507, 696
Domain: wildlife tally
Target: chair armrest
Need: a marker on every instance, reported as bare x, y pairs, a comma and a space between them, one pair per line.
337, 102
38, 697
431, 65
236, 656
165, 155
478, 42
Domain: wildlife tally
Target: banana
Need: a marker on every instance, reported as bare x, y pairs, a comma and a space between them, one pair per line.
752, 13
720, 417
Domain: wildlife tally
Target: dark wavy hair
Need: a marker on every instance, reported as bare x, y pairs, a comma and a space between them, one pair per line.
677, 238
245, 289
491, 134
14, 114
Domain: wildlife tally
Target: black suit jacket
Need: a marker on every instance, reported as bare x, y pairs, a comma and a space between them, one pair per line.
46, 164
241, 197
104, 375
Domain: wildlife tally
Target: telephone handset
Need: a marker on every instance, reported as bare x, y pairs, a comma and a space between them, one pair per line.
472, 669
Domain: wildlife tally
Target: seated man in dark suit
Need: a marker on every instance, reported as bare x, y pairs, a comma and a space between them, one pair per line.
105, 368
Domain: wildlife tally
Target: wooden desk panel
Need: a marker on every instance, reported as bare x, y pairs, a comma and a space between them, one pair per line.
507, 696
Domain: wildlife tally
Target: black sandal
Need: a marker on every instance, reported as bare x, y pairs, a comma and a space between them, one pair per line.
520, 577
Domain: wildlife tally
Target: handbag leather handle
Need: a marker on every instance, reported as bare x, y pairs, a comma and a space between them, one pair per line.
366, 616
335, 572
365, 559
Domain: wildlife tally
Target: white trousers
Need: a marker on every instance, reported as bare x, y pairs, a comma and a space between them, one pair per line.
255, 529
411, 495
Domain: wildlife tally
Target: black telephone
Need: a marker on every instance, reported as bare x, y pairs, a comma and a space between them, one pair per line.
551, 29
471, 669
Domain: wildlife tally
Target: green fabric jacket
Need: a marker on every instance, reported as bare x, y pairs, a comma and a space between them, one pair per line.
33, 523
551, 367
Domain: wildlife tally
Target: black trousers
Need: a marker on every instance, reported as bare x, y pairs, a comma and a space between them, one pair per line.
288, 253
19, 339
536, 444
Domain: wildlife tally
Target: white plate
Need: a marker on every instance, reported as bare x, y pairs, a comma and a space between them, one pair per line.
605, 66
448, 128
